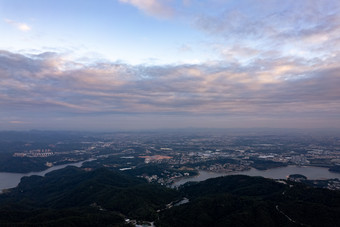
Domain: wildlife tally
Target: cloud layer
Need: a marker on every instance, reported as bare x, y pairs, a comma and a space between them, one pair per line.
307, 29
262, 63
278, 88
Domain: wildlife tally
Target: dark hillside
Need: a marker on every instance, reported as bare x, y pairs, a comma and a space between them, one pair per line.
74, 197
101, 192
253, 201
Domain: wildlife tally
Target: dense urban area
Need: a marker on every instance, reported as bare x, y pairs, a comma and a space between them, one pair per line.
166, 156
131, 178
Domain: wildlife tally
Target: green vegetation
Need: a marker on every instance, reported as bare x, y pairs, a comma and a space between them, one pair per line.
297, 176
213, 162
335, 169
115, 162
266, 164
253, 201
97, 194
102, 197
159, 169
8, 163
61, 217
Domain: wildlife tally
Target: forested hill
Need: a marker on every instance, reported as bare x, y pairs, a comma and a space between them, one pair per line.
253, 201
74, 197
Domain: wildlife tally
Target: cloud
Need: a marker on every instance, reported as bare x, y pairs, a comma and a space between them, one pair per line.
158, 8
272, 61
307, 29
276, 88
21, 26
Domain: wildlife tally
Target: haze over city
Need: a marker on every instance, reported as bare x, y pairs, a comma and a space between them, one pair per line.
149, 64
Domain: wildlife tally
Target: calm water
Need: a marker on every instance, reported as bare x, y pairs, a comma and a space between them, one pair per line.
11, 180
310, 172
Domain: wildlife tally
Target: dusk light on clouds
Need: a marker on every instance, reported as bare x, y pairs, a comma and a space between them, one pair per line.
145, 64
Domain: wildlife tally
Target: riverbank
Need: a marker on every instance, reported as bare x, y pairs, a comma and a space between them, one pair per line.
312, 173
11, 180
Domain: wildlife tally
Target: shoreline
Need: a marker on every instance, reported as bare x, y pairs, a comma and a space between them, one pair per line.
11, 180
272, 173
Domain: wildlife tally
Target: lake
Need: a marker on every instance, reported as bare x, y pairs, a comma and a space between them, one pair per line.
311, 172
11, 180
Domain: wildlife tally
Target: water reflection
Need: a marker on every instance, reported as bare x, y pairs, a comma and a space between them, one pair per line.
11, 180
312, 173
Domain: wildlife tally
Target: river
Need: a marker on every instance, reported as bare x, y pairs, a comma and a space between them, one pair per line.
11, 180
311, 172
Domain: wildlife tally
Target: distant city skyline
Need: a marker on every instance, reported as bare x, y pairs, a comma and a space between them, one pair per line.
152, 64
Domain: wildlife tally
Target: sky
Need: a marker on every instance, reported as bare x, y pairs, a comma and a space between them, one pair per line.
152, 64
